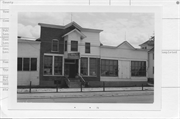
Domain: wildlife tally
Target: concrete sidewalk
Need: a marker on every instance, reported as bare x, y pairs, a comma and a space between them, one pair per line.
82, 94
46, 90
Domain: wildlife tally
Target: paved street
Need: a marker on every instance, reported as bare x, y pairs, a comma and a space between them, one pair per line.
90, 97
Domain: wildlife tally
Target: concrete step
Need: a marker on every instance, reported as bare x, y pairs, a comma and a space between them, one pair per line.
74, 84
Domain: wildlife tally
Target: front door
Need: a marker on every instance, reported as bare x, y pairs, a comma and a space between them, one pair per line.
71, 67
124, 69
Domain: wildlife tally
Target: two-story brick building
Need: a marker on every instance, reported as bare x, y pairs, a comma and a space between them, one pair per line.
71, 50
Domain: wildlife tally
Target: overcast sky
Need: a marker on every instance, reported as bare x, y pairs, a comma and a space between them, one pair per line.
135, 28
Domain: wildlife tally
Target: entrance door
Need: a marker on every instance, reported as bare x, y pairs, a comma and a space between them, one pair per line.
71, 67
124, 69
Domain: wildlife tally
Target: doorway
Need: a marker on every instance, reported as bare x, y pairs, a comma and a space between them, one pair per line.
71, 67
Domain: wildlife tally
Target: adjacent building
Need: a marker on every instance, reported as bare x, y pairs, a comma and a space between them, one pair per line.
71, 50
149, 45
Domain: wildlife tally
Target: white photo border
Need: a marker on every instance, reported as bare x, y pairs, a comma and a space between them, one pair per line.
13, 104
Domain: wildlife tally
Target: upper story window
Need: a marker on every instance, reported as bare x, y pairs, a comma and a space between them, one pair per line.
65, 47
87, 47
74, 45
55, 45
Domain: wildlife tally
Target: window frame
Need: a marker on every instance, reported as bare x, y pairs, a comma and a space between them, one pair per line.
137, 67
65, 45
87, 47
53, 60
86, 65
90, 67
22, 66
76, 49
52, 45
108, 66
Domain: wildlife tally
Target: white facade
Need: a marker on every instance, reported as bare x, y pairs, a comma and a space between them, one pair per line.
151, 64
90, 37
28, 49
124, 53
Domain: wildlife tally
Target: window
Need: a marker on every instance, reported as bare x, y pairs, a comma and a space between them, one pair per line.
74, 45
55, 45
27, 64
87, 47
109, 67
93, 67
65, 48
33, 64
58, 65
19, 64
48, 65
84, 66
53, 65
138, 68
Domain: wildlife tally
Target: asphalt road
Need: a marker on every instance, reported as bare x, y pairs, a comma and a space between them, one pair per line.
116, 99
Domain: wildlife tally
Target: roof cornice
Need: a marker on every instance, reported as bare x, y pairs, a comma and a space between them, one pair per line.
68, 25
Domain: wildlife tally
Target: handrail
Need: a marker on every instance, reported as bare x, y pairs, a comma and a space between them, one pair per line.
82, 79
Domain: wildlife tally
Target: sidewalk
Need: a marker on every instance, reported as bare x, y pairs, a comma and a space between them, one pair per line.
48, 90
85, 94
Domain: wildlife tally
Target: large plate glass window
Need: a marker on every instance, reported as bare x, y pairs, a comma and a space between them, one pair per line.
57, 65
109, 67
48, 65
93, 66
84, 66
138, 68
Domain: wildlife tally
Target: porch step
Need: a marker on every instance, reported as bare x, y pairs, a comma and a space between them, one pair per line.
74, 84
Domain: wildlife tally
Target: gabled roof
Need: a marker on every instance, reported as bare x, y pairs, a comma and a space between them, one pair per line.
68, 25
148, 42
77, 31
126, 43
120, 45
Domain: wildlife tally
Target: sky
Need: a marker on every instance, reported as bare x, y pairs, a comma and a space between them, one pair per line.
135, 28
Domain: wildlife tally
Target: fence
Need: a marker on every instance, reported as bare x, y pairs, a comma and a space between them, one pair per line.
57, 89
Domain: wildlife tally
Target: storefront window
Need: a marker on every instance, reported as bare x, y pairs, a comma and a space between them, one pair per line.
138, 68
109, 67
58, 65
52, 65
84, 66
93, 67
48, 65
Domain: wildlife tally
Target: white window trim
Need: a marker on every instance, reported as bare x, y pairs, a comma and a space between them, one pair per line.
52, 45
53, 55
88, 66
